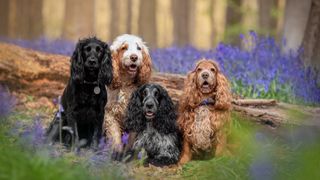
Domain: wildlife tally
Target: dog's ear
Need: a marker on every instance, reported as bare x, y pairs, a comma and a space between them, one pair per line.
105, 73
77, 64
166, 116
190, 97
135, 120
223, 93
145, 69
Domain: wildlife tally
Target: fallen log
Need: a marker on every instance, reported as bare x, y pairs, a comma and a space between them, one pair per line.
44, 75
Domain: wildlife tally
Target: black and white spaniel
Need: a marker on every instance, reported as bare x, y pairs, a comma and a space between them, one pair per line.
151, 118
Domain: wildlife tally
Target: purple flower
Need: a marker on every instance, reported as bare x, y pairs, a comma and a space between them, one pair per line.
125, 138
7, 102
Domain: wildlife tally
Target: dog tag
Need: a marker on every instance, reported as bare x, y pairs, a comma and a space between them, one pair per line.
96, 90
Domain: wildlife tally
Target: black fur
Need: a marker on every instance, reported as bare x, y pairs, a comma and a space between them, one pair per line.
91, 67
157, 133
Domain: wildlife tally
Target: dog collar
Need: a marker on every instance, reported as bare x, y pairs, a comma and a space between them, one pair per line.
87, 82
207, 102
96, 89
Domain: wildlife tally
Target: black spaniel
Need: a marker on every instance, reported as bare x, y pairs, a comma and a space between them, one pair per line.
79, 120
151, 118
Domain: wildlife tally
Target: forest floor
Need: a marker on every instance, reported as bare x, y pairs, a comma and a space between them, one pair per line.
254, 151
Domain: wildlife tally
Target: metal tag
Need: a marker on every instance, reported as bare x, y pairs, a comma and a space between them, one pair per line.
96, 90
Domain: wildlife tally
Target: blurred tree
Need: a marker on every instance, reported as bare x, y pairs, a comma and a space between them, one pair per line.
129, 16
4, 17
25, 19
311, 41
267, 21
218, 12
147, 22
233, 22
115, 18
181, 11
79, 19
295, 21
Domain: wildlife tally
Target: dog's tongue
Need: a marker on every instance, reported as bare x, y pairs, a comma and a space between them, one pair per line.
133, 68
150, 114
205, 85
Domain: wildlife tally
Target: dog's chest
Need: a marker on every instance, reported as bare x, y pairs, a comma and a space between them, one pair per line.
202, 133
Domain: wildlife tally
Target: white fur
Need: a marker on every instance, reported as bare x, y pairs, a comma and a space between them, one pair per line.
133, 42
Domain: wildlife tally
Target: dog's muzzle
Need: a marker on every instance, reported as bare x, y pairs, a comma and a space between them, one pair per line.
150, 107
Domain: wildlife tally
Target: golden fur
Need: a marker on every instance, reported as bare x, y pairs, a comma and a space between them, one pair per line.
120, 91
203, 125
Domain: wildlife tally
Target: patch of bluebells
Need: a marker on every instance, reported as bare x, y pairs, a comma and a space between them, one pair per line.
261, 70
7, 101
58, 46
33, 136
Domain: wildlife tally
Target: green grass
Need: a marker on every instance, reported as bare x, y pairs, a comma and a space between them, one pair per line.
249, 146
256, 153
19, 162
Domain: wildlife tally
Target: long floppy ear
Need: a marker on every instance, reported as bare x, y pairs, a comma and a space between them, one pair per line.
115, 69
166, 116
135, 120
105, 73
77, 69
145, 69
223, 93
190, 97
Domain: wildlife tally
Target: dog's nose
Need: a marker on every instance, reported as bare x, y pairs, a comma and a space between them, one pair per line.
205, 75
92, 61
133, 58
149, 105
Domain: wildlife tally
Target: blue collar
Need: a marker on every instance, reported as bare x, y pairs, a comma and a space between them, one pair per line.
207, 102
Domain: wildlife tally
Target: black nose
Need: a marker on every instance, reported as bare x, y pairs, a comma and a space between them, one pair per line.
133, 58
92, 61
205, 75
149, 105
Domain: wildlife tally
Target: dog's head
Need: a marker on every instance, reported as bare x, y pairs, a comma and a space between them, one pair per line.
91, 61
131, 58
205, 81
151, 102
206, 73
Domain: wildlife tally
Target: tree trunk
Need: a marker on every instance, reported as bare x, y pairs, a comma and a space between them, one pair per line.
45, 75
79, 19
311, 41
4, 17
295, 21
249, 18
115, 19
147, 22
233, 22
181, 11
266, 21
218, 12
129, 16
26, 20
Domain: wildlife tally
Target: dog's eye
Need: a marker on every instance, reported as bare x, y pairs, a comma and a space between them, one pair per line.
144, 93
139, 48
124, 48
212, 69
88, 49
156, 93
98, 49
199, 69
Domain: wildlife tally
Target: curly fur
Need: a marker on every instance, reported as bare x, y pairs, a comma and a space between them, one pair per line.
159, 136
84, 109
123, 84
203, 125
